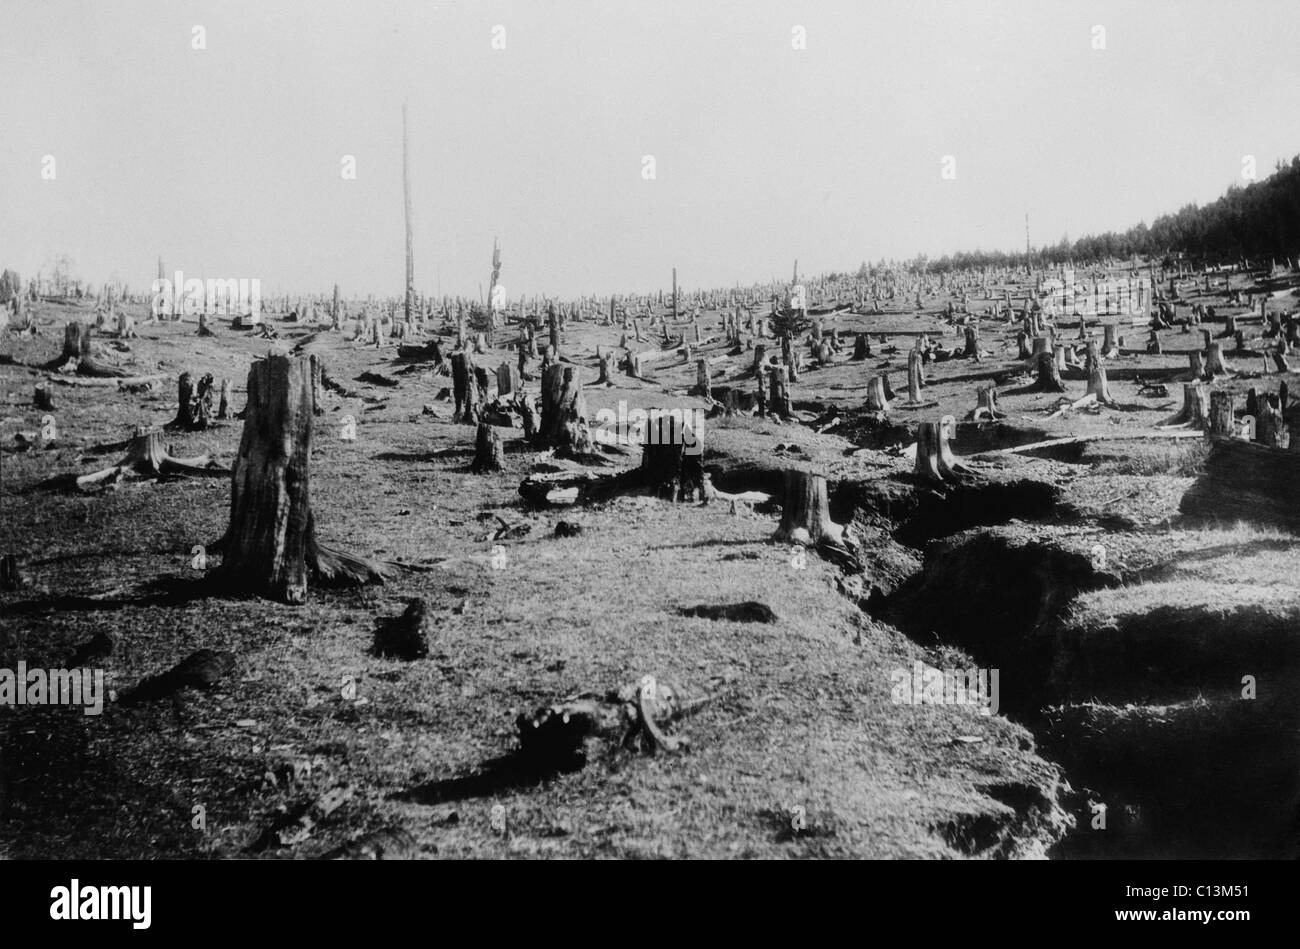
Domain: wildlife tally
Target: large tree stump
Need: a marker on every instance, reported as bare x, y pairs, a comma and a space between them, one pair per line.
806, 519
464, 389
1214, 364
935, 461
703, 387
861, 347
564, 411
270, 547
487, 450
1194, 411
986, 405
778, 394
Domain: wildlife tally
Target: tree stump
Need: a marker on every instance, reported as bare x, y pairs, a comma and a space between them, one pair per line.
877, 400
270, 547
1048, 376
43, 399
188, 418
703, 387
935, 461
487, 450
223, 404
1110, 341
1214, 364
1194, 411
606, 366
464, 388
564, 411
861, 347
778, 395
986, 405
972, 350
1222, 418
805, 511
1022, 346
673, 472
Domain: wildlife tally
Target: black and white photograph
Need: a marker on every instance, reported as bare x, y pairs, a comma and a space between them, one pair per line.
649, 430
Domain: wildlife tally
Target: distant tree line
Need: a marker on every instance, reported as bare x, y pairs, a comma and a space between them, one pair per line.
1260, 220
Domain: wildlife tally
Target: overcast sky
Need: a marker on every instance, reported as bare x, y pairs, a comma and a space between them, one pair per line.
227, 160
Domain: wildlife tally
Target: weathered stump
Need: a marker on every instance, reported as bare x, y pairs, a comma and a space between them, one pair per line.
805, 511
270, 547
487, 450
464, 389
564, 411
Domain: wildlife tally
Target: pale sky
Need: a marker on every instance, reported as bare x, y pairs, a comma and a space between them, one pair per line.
227, 160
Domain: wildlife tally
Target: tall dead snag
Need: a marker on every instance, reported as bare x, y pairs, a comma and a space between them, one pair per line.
464, 388
270, 547
1194, 411
1241, 481
487, 450
935, 462
564, 411
1222, 419
146, 457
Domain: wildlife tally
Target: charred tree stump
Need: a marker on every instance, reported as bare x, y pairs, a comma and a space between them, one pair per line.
1022, 346
43, 399
270, 547
1214, 364
188, 417
606, 366
487, 450
972, 350
861, 347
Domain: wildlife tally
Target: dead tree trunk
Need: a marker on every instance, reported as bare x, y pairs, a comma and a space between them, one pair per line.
487, 450
1194, 410
703, 386
270, 547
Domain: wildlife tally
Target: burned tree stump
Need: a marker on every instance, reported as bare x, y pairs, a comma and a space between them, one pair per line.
270, 548
778, 394
487, 450
606, 366
564, 411
42, 399
223, 404
1214, 364
861, 347
972, 350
